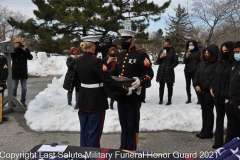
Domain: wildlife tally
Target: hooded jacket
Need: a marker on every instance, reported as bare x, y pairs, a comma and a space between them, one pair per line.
204, 74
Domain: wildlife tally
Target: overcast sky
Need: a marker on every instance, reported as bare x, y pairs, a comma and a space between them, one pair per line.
26, 7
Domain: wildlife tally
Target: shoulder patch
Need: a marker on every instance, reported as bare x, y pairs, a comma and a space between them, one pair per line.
5, 66
146, 62
104, 68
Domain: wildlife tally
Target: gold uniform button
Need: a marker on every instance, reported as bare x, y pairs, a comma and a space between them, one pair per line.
127, 54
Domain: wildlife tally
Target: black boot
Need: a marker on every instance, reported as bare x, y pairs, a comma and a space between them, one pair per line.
69, 98
189, 99
161, 92
76, 105
170, 92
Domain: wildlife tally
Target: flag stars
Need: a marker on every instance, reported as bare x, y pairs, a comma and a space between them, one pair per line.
234, 151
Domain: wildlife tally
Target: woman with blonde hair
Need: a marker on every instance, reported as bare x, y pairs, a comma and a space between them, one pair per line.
92, 73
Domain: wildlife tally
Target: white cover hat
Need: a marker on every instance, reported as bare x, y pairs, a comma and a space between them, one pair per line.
94, 38
126, 33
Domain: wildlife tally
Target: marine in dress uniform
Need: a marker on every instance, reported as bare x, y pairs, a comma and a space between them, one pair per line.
92, 73
3, 86
131, 63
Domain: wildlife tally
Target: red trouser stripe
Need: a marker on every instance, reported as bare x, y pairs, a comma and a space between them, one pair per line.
103, 152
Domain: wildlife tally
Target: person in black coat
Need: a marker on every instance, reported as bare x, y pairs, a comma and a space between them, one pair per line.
110, 61
20, 68
91, 72
70, 81
191, 60
201, 82
232, 100
3, 86
3, 73
218, 86
167, 60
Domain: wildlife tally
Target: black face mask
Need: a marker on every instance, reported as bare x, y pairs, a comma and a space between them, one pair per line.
225, 55
126, 45
167, 48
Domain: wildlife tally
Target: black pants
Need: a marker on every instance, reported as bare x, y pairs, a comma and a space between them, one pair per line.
189, 76
219, 132
207, 105
233, 124
129, 116
76, 84
161, 91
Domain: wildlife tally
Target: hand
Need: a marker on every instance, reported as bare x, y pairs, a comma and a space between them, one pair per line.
162, 55
75, 56
109, 60
226, 100
136, 83
211, 91
198, 89
24, 47
188, 54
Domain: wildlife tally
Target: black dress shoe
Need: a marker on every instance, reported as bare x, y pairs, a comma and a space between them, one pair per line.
198, 134
204, 136
160, 102
216, 146
188, 101
168, 103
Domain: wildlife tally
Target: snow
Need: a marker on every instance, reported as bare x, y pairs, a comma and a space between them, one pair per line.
49, 110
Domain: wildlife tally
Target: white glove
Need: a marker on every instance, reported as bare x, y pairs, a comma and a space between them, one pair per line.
136, 83
130, 91
139, 90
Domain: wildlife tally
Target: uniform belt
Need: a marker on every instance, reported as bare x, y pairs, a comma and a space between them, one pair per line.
96, 85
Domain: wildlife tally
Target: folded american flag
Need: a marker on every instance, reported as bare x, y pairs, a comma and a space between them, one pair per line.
229, 151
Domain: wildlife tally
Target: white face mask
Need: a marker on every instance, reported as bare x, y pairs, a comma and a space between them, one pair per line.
72, 56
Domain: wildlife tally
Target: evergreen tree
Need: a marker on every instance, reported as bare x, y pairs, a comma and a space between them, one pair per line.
178, 29
60, 24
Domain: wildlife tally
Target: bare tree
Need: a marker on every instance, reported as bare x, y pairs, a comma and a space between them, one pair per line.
155, 43
7, 30
210, 14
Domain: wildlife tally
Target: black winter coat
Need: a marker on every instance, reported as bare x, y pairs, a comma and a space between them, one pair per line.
133, 63
3, 72
233, 87
204, 75
166, 67
92, 70
19, 63
192, 61
221, 77
69, 80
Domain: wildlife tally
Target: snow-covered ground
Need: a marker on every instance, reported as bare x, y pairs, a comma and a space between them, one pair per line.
49, 110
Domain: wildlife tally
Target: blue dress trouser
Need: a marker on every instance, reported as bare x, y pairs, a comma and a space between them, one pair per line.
91, 125
129, 116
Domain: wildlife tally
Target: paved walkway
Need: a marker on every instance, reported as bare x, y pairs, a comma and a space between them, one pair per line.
17, 137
